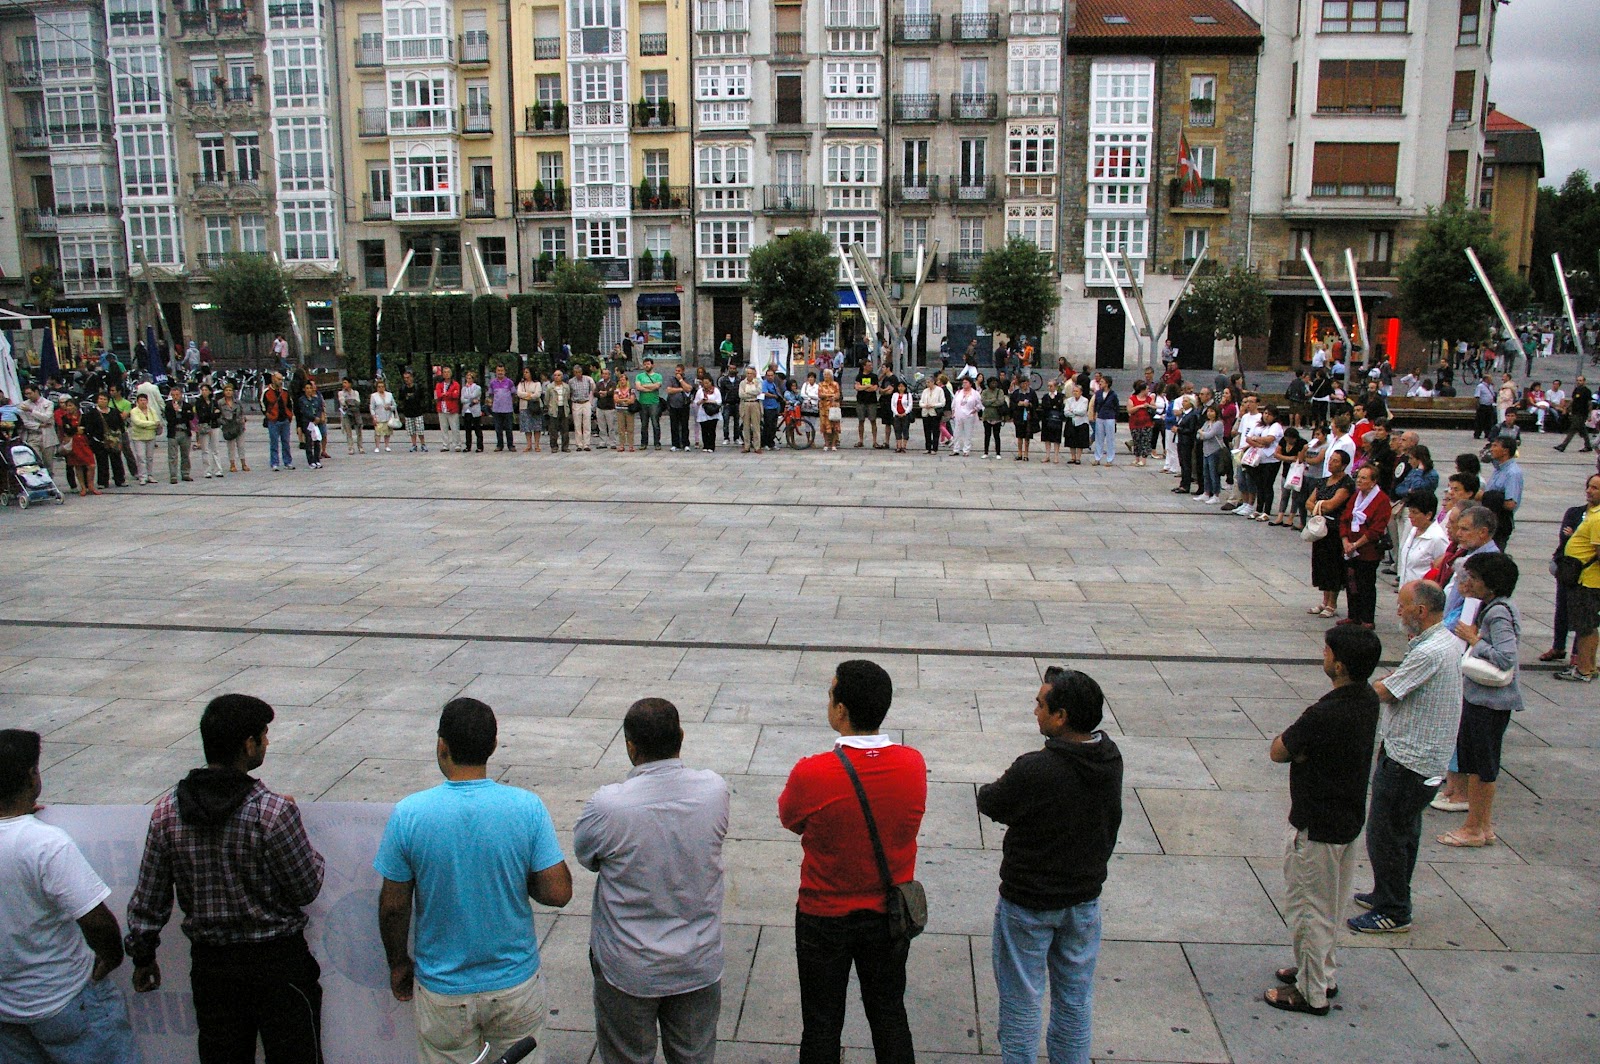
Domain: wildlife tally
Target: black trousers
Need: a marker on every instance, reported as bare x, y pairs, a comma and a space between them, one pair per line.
1185, 445
504, 433
825, 948
708, 435
1362, 588
1483, 421
108, 465
267, 990
769, 427
991, 430
680, 426
930, 433
471, 425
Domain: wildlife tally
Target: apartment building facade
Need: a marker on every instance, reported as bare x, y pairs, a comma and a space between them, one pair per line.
1153, 83
1508, 184
1370, 112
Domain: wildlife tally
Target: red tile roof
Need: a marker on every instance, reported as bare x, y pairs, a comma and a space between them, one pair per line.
1221, 19
1500, 122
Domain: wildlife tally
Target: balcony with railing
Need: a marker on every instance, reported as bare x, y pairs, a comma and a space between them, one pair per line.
962, 267
197, 22
612, 271
972, 188
1296, 267
372, 122
24, 74
473, 48
789, 43
914, 190
479, 203
916, 29
419, 49
39, 221
376, 211
652, 44
974, 106
598, 114
965, 28
1181, 267
1202, 112
218, 182
655, 114
477, 121
541, 200
547, 47
903, 265
540, 118
30, 138
789, 199
1377, 269
1211, 194
657, 268
649, 196
915, 106
368, 50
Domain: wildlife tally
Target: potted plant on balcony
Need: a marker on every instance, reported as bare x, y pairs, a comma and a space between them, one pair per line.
531, 199
559, 115
1202, 105
649, 195
647, 265
669, 267
546, 263
558, 196
536, 115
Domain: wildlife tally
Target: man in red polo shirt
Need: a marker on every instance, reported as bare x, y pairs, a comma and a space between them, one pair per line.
447, 401
841, 918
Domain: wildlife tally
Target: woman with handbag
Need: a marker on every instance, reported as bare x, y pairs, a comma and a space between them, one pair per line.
1023, 401
829, 412
931, 405
207, 419
103, 426
901, 407
230, 425
1078, 434
1052, 421
627, 413
994, 414
385, 411
1364, 535
530, 411
1141, 422
1489, 689
707, 404
1288, 455
144, 425
1322, 529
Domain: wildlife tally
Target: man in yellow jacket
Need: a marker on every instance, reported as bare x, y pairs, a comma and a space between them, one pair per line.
1583, 600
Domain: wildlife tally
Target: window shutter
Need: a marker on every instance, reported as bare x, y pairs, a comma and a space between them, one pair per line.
1389, 92
1330, 85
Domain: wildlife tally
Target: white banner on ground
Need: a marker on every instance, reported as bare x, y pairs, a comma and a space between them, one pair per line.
362, 1023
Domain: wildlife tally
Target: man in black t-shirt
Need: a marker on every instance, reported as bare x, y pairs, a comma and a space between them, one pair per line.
1578, 407
1329, 751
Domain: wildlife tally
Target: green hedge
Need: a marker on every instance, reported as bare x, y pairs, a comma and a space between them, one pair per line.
357, 335
581, 319
424, 332
394, 333
525, 308
491, 325
458, 311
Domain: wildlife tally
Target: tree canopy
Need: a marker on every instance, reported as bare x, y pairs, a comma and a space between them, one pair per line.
1568, 221
250, 295
1439, 292
575, 277
793, 284
1232, 303
1016, 289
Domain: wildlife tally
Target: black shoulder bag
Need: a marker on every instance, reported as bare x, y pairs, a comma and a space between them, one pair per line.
907, 902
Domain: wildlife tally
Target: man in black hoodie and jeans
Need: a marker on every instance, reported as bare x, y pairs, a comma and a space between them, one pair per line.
1062, 806
244, 871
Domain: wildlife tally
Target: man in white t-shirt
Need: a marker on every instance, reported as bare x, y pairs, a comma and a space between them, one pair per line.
58, 941
1249, 418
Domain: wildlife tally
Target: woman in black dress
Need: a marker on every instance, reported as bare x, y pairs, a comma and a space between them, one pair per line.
1327, 553
1052, 420
1024, 414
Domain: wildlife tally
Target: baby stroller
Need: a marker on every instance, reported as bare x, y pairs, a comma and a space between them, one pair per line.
26, 478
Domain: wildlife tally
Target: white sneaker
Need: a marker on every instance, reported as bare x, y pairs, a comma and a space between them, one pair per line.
1244, 510
1209, 500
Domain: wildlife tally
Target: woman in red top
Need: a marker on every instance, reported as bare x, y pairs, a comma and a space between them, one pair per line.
1364, 523
1141, 421
78, 450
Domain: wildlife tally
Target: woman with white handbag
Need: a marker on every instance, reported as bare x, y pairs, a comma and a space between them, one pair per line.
1489, 689
1322, 532
385, 415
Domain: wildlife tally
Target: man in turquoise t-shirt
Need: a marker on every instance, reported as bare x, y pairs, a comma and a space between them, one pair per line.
647, 386
470, 852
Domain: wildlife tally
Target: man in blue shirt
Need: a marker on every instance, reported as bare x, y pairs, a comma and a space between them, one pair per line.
771, 407
1483, 420
1507, 480
469, 852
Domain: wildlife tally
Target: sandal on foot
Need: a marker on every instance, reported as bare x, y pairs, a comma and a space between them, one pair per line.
1455, 838
1288, 999
1317, 611
1553, 655
1291, 976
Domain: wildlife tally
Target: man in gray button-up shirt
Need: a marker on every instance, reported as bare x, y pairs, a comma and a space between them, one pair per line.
655, 939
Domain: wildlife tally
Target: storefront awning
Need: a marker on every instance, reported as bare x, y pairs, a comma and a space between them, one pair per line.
847, 298
658, 299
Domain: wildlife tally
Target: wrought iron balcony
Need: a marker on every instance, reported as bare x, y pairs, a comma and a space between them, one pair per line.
789, 42
974, 106
652, 44
658, 268
376, 211
1296, 267
914, 190
1375, 269
903, 265
655, 114
24, 75
916, 29
1213, 193
473, 47
1202, 112
962, 267
226, 181
541, 200
1180, 268
478, 203
972, 188
789, 199
916, 107
478, 121
538, 118
547, 47
30, 138
967, 28
369, 50
372, 122
648, 196
38, 220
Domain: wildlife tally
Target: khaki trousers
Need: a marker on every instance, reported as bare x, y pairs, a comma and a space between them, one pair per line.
452, 1028
1318, 876
750, 421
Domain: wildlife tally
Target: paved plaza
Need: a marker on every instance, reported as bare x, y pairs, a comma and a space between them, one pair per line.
359, 598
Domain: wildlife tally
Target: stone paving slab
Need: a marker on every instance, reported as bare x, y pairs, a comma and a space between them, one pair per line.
560, 591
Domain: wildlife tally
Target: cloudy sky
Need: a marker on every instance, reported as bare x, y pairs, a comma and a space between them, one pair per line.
1547, 74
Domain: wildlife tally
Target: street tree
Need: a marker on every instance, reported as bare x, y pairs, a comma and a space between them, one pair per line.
1016, 289
251, 297
1568, 221
793, 284
1231, 303
1440, 296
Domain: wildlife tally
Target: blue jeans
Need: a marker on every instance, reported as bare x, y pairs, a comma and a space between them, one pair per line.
278, 442
1105, 439
1029, 943
1211, 482
1394, 834
92, 1029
